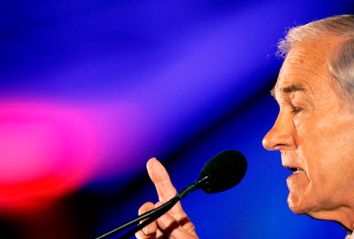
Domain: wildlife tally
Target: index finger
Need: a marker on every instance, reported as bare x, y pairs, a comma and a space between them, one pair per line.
164, 187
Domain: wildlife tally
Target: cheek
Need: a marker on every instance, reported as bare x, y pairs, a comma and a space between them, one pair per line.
311, 159
312, 147
307, 137
340, 155
325, 149
304, 122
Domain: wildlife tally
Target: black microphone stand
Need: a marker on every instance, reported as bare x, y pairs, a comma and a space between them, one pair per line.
152, 215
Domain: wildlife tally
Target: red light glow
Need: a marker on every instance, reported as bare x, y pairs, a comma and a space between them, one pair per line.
45, 152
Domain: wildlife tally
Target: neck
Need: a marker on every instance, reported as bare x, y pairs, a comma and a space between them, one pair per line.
342, 215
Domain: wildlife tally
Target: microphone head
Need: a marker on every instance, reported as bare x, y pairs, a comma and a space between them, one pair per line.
224, 171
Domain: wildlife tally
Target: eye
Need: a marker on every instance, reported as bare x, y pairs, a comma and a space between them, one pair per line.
295, 109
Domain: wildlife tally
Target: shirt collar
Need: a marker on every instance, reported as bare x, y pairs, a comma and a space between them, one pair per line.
349, 236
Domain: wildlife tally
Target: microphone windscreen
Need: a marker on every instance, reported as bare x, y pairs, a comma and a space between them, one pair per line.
224, 171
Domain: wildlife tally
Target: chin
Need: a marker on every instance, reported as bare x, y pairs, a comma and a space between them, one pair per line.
298, 206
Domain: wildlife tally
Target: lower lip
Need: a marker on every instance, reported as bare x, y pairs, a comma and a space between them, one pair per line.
295, 174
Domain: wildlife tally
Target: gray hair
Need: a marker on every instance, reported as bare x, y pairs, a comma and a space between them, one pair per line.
341, 63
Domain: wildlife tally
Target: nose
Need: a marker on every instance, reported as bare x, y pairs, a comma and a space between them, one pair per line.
281, 135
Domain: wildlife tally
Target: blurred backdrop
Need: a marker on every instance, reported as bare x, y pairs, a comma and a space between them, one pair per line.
90, 90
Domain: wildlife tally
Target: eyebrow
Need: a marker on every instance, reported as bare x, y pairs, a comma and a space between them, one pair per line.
289, 89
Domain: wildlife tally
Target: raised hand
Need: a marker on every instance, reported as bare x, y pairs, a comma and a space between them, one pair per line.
175, 224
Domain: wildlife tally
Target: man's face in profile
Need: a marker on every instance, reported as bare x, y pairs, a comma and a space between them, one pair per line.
314, 132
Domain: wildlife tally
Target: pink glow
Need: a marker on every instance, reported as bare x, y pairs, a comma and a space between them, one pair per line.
46, 151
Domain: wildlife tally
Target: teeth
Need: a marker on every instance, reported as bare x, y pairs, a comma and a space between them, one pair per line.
295, 169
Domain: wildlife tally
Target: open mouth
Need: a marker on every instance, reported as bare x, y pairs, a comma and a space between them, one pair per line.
295, 170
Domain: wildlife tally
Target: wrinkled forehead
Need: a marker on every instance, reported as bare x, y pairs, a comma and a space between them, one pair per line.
305, 67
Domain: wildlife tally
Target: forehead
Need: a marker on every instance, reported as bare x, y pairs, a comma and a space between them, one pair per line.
305, 68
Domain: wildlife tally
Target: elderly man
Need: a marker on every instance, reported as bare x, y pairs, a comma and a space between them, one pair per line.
314, 130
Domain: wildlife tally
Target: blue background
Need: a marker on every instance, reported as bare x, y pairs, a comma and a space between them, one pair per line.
179, 80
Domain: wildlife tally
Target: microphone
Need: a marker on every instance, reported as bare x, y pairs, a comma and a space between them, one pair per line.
220, 173
223, 171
